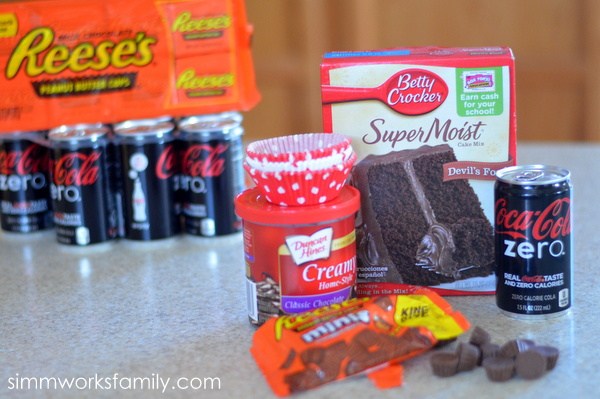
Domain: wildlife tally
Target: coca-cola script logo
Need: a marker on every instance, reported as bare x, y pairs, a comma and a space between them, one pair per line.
167, 164
204, 160
76, 169
22, 163
550, 223
416, 92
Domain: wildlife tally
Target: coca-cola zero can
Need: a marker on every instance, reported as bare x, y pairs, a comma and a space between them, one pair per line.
533, 241
149, 172
24, 192
211, 173
85, 209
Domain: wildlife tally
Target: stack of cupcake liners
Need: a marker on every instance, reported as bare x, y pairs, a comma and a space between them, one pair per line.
301, 169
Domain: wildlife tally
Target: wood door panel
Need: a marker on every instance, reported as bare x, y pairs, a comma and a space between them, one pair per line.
556, 45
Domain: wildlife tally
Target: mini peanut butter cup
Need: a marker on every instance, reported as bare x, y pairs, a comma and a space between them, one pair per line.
479, 336
444, 364
512, 348
499, 369
550, 353
468, 356
531, 364
489, 350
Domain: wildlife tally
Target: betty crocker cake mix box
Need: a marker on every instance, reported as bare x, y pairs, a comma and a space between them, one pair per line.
70, 61
431, 126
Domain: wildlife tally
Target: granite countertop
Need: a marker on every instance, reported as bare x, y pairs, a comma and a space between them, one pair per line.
113, 313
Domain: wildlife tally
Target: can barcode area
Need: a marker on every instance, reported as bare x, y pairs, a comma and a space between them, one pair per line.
251, 299
563, 298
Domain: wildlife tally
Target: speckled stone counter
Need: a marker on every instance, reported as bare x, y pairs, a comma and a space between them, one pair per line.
107, 316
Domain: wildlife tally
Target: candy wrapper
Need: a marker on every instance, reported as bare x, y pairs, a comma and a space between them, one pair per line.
360, 335
302, 169
66, 62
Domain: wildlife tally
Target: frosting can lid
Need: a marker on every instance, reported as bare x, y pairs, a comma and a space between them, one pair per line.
251, 205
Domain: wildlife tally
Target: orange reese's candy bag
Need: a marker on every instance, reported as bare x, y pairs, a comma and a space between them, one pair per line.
302, 351
66, 62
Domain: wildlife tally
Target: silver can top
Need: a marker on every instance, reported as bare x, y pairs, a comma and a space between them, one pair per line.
527, 175
144, 131
82, 132
224, 123
143, 122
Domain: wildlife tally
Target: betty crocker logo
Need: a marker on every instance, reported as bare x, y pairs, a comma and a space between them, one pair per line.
409, 92
416, 92
550, 223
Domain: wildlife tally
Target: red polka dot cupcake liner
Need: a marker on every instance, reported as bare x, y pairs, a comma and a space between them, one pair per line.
313, 174
290, 150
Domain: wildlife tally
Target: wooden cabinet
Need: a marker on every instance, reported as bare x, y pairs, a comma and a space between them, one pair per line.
556, 45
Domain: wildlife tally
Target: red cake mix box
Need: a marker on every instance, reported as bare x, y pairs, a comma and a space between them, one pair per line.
431, 126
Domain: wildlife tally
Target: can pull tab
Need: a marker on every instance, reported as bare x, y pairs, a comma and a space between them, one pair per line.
529, 176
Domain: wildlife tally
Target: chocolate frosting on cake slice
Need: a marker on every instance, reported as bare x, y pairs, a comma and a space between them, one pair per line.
404, 234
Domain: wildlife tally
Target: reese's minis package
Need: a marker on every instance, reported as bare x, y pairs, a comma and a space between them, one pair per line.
431, 126
70, 62
372, 335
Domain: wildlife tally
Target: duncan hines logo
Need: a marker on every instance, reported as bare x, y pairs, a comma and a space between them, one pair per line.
305, 248
547, 229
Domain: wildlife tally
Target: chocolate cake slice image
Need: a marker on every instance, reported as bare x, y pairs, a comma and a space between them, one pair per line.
414, 228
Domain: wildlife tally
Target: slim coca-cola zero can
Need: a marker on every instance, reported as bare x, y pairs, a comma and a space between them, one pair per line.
24, 185
211, 173
84, 204
533, 241
149, 162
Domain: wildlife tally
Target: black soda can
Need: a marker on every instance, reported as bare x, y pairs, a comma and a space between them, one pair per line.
149, 162
533, 241
24, 183
85, 210
211, 173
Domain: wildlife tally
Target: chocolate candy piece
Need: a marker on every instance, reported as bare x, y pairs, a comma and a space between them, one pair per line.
444, 364
479, 337
531, 364
512, 348
550, 353
489, 350
369, 348
499, 369
468, 356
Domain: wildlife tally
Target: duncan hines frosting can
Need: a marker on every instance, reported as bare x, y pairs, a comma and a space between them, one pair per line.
533, 241
297, 258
